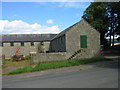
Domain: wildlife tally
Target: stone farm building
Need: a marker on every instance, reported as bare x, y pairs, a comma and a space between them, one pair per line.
26, 42
78, 41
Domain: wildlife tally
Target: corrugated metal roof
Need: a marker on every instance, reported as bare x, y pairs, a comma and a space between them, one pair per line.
26, 37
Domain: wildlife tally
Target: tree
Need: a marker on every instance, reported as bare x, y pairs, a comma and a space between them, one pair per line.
105, 17
96, 15
114, 19
40, 48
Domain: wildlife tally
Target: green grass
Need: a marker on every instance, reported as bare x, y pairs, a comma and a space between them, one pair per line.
22, 70
53, 65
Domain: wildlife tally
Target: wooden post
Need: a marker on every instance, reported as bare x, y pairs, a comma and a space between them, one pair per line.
3, 60
31, 55
31, 58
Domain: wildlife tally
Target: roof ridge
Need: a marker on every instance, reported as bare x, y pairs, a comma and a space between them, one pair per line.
28, 37
67, 29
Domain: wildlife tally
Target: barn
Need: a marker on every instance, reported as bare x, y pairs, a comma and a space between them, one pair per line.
26, 42
78, 41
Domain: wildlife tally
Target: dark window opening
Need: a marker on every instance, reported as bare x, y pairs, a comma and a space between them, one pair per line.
22, 43
32, 43
11, 43
42, 43
1, 44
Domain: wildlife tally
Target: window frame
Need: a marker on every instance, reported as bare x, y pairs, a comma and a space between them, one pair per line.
32, 44
11, 44
41, 43
1, 44
22, 43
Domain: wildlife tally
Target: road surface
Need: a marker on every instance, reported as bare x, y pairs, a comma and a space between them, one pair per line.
99, 77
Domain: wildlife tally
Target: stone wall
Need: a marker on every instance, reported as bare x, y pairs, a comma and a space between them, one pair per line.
49, 57
73, 39
9, 51
60, 56
85, 53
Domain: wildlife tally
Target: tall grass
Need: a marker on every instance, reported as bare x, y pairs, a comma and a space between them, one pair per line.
53, 65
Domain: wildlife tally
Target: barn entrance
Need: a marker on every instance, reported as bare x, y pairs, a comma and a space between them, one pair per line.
83, 41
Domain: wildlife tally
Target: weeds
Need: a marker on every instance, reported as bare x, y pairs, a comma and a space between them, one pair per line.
53, 65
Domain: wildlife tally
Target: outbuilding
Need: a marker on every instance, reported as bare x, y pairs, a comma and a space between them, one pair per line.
80, 36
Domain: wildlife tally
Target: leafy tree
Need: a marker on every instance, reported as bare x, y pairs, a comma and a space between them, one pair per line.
40, 48
114, 18
105, 17
96, 15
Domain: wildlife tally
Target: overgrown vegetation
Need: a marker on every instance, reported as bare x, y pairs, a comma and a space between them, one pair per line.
53, 65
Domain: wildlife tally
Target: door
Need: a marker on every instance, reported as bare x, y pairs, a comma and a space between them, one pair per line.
83, 41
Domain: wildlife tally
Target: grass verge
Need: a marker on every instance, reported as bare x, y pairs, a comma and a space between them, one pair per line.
53, 65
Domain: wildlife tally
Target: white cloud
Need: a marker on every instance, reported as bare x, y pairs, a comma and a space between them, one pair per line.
21, 27
73, 5
50, 21
83, 4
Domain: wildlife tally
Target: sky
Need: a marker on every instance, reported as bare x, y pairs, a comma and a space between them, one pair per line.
40, 17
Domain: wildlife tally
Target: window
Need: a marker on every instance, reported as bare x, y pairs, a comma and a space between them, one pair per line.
1, 44
22, 43
11, 43
41, 43
83, 41
32, 43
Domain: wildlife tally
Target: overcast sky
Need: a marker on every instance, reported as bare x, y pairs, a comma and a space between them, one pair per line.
40, 17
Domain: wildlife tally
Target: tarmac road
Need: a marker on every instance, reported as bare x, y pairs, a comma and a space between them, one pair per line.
98, 77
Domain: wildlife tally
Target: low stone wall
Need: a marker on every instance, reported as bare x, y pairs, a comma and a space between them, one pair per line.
61, 56
48, 57
87, 53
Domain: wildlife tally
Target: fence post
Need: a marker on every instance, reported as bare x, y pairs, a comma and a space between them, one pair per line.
32, 55
30, 59
3, 60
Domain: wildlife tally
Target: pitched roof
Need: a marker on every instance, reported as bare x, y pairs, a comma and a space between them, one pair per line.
64, 31
26, 37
